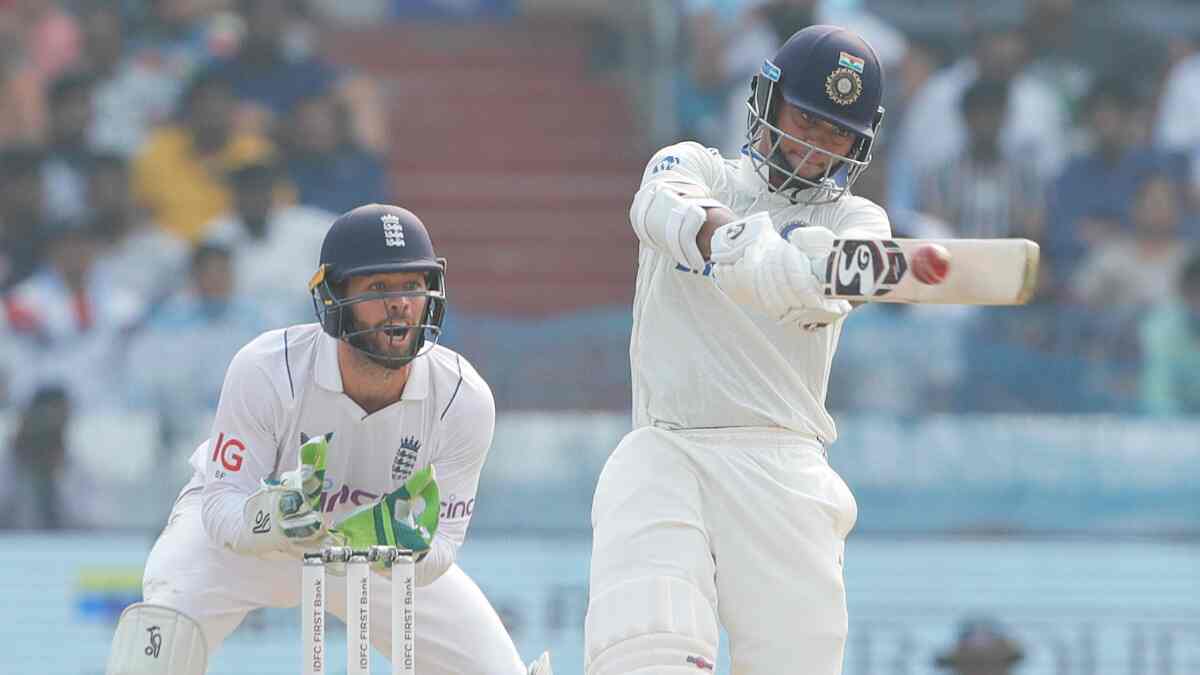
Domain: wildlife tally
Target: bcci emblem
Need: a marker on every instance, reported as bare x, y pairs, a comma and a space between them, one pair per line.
406, 458
393, 231
843, 86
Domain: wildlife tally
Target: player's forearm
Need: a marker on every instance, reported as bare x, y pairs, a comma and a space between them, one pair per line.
221, 515
668, 217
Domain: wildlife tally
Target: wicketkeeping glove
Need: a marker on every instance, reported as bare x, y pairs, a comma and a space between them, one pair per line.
284, 515
392, 521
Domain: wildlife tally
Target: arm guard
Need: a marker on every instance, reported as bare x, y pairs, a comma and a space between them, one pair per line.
669, 222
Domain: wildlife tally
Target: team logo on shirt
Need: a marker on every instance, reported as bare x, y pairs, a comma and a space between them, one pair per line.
393, 231
406, 458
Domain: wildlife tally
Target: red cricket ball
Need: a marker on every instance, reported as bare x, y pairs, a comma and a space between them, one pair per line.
931, 264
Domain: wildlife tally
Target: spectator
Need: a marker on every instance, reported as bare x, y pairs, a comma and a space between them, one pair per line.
1071, 42
1121, 279
13, 360
329, 169
38, 41
22, 103
1133, 270
1170, 345
197, 331
980, 192
1177, 129
1091, 200
37, 462
274, 68
274, 243
982, 648
68, 151
22, 219
50, 35
1035, 127
182, 38
1057, 42
179, 174
708, 75
760, 30
135, 254
131, 94
72, 320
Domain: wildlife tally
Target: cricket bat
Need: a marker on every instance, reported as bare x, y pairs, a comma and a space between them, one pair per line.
976, 272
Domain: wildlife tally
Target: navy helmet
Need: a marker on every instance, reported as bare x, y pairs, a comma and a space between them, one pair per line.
829, 73
375, 239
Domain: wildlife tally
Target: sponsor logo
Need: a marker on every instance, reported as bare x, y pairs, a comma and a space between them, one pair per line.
346, 495
229, 452
864, 267
454, 508
787, 230
451, 507
406, 458
771, 71
262, 523
665, 164
707, 271
701, 663
318, 626
155, 641
393, 231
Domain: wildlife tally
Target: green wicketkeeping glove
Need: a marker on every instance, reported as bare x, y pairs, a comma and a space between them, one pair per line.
391, 520
285, 512
309, 476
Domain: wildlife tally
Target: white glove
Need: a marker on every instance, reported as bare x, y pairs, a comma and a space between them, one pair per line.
757, 268
283, 515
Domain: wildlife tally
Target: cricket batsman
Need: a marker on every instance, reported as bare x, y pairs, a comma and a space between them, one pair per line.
720, 506
356, 430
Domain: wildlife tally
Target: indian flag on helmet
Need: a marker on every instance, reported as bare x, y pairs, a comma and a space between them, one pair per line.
850, 61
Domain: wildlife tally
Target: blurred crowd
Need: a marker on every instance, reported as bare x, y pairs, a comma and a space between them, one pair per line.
167, 171
169, 167
1056, 120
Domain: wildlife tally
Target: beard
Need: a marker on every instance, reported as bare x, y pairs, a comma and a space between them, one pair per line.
390, 347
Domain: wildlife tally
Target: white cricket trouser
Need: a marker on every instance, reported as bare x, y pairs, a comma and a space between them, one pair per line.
458, 631
744, 526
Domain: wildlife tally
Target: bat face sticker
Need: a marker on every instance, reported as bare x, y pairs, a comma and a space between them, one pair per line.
864, 267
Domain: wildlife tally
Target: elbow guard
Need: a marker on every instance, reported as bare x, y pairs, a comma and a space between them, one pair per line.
669, 222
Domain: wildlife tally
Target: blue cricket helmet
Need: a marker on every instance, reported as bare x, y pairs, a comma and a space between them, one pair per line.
830, 73
376, 239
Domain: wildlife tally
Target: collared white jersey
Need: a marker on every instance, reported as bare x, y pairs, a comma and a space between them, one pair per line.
286, 384
700, 360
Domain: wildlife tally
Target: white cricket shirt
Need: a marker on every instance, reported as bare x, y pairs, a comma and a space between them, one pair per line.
699, 359
287, 382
